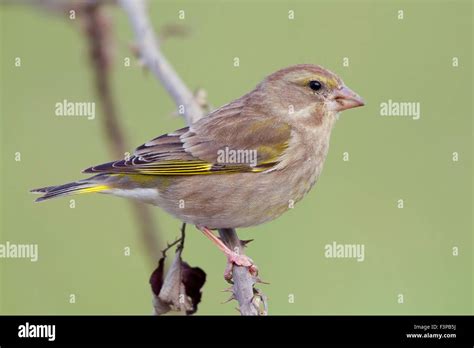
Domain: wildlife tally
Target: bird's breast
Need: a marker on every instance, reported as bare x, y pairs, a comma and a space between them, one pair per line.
306, 160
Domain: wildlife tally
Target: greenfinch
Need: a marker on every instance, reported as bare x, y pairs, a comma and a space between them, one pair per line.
246, 163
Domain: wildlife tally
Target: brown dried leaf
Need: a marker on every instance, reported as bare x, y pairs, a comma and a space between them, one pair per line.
180, 290
193, 279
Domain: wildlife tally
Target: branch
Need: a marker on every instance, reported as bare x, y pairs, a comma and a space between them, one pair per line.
243, 288
153, 58
98, 32
150, 53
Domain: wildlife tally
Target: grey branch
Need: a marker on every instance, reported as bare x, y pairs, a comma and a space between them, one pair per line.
156, 62
150, 53
243, 288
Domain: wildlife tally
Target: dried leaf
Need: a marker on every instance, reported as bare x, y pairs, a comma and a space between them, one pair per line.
180, 290
193, 279
156, 279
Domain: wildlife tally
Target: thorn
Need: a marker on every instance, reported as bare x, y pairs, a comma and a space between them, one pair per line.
238, 310
245, 242
231, 298
260, 281
229, 289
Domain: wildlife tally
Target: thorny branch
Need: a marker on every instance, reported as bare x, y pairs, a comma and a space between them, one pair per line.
251, 301
156, 62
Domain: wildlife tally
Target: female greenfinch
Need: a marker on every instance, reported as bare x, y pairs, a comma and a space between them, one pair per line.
244, 164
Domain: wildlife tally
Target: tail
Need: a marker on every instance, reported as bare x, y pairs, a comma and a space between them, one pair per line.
72, 188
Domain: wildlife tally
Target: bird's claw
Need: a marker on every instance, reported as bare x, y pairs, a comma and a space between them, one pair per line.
239, 260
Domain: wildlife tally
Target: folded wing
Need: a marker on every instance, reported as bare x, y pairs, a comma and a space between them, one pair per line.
201, 148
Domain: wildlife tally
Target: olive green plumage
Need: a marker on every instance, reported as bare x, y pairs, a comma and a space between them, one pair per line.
283, 126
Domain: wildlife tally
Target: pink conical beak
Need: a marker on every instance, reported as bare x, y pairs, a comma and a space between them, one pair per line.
345, 98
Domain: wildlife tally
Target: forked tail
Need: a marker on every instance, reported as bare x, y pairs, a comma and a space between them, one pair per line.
72, 188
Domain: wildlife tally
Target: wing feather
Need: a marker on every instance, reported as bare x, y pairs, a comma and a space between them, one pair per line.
195, 150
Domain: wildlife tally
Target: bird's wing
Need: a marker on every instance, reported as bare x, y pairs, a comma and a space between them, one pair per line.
229, 140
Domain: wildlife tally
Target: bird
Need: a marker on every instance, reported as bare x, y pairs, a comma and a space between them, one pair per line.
244, 164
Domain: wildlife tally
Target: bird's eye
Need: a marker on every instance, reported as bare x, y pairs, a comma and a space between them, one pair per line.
315, 85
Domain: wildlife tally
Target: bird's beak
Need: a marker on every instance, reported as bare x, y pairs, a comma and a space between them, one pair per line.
345, 98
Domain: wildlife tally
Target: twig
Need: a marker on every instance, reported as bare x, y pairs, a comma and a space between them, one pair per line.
243, 288
179, 240
98, 27
153, 58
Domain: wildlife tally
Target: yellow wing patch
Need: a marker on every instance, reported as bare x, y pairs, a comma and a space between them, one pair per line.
195, 168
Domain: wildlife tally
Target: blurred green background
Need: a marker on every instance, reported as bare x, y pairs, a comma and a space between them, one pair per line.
407, 251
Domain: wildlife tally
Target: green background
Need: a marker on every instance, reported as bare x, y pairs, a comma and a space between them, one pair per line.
407, 251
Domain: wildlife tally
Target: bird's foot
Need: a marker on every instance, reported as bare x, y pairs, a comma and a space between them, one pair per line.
234, 258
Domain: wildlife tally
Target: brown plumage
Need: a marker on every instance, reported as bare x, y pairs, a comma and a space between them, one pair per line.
286, 122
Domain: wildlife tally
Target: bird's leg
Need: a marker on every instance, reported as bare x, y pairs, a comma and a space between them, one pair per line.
233, 257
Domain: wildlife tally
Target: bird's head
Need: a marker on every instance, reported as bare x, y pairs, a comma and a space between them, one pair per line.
307, 91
